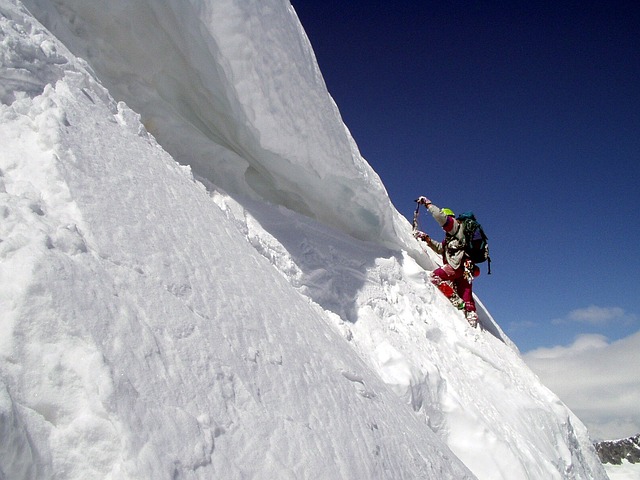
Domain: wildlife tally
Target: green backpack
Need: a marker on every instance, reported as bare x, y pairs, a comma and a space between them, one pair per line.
476, 243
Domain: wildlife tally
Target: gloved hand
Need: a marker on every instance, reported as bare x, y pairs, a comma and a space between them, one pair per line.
424, 201
421, 235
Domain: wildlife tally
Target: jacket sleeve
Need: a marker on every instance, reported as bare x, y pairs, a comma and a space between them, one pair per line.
436, 213
448, 224
435, 245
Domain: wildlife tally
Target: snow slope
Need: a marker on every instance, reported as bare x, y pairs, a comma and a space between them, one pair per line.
269, 319
626, 471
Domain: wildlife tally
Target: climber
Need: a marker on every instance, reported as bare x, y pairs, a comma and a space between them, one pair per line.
458, 271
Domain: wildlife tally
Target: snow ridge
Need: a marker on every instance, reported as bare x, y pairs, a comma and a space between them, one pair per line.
232, 89
275, 324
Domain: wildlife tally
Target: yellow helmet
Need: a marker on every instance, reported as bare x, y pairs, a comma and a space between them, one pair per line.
448, 212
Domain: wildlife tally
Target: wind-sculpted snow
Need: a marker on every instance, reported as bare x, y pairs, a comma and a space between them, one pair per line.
471, 387
154, 328
144, 337
232, 89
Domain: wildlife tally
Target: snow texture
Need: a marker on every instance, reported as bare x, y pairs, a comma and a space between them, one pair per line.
626, 471
202, 278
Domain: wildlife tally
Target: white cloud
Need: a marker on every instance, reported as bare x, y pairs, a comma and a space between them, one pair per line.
521, 325
599, 380
583, 343
595, 315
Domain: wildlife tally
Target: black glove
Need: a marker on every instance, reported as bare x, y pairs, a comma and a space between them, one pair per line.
421, 235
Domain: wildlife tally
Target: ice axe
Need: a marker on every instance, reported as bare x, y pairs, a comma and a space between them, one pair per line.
415, 215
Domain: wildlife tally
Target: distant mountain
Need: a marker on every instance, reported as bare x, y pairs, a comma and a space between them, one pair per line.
615, 451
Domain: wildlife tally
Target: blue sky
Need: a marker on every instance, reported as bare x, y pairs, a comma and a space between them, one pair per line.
526, 113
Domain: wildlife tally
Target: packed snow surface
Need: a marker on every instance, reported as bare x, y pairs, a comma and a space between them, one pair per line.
626, 471
200, 277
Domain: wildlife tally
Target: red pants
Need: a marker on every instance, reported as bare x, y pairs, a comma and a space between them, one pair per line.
461, 284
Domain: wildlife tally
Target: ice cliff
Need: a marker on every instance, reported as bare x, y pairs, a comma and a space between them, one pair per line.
202, 278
